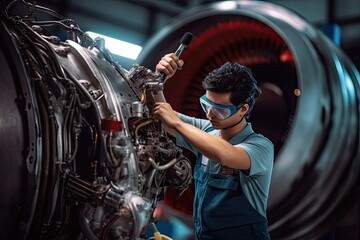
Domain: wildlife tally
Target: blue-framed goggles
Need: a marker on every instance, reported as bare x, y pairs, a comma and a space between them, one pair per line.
220, 111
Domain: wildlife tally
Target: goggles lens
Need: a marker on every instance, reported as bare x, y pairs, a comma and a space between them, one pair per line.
220, 111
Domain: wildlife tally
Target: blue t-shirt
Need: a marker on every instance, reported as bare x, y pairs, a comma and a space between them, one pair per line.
255, 184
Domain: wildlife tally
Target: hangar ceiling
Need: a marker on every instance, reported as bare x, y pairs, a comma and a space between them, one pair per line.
136, 21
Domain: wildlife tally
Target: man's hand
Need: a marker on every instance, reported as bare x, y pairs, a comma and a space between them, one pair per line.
166, 114
169, 64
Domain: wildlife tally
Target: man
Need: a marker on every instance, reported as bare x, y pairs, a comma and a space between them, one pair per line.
234, 164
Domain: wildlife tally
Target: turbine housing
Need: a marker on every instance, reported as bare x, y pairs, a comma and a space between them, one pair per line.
309, 105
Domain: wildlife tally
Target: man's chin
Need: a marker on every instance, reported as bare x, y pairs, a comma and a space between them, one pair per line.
215, 125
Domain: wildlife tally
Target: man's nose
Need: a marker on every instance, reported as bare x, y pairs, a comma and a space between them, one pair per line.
210, 114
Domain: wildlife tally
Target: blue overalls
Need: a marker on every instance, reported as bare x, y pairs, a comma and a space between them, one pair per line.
221, 210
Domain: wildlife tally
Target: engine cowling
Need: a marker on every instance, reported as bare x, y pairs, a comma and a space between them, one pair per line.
309, 105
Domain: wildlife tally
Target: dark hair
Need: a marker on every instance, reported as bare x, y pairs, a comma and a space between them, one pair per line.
236, 79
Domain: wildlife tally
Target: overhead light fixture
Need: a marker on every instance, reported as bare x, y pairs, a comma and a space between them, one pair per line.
118, 47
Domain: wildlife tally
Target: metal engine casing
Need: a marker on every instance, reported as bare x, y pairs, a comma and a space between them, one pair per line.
90, 160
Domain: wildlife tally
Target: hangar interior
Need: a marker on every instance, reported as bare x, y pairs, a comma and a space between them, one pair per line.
306, 55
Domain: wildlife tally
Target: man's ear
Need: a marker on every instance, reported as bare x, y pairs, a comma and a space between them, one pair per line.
244, 109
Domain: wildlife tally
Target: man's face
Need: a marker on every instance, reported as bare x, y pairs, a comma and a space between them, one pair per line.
219, 109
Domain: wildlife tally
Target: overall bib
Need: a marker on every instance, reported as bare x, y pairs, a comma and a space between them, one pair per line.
221, 210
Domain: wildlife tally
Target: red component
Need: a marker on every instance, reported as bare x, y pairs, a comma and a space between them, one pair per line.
286, 56
111, 125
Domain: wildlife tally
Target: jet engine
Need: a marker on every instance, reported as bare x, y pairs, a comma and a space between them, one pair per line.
82, 156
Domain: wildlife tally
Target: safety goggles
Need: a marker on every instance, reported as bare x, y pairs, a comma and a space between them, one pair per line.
220, 111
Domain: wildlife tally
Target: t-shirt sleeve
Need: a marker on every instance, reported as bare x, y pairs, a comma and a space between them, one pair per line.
261, 153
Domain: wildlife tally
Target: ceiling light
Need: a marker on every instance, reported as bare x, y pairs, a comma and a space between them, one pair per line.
118, 47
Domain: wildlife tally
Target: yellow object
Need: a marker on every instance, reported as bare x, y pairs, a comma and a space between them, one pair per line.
157, 234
